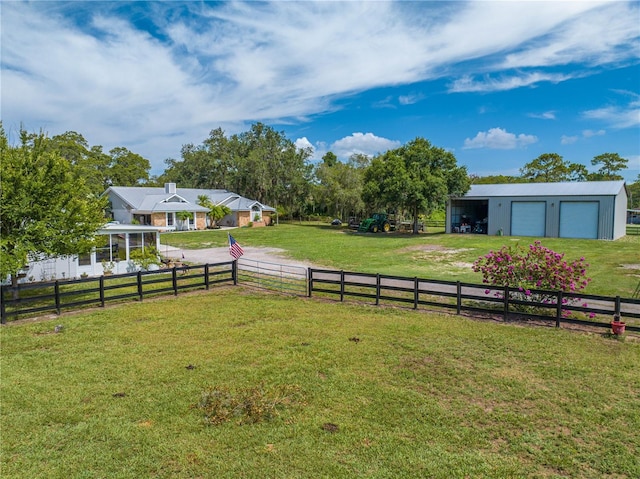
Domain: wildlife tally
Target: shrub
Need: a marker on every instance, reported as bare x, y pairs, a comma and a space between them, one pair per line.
144, 259
535, 268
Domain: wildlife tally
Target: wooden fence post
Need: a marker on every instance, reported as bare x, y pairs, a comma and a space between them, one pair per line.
617, 307
234, 272
174, 279
102, 291
341, 285
416, 292
310, 281
56, 289
140, 285
206, 276
458, 297
3, 308
559, 309
378, 283
506, 303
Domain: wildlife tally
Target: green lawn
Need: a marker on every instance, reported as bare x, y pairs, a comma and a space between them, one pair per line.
380, 393
615, 265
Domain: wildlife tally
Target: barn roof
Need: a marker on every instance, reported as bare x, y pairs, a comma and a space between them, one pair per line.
569, 188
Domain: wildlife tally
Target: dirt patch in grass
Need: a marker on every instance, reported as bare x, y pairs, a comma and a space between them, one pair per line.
630, 266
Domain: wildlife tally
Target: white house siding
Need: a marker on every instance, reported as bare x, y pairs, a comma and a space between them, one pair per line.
120, 211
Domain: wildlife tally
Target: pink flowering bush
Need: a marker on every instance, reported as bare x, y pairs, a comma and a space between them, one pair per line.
536, 267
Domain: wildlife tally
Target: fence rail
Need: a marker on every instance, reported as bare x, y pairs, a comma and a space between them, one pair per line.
554, 306
54, 296
34, 298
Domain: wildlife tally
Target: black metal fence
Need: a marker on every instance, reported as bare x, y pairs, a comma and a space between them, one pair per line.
553, 306
54, 296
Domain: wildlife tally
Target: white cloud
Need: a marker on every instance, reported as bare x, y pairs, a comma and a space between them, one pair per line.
568, 140
83, 66
547, 115
499, 139
587, 38
362, 143
410, 99
627, 116
509, 82
591, 133
303, 143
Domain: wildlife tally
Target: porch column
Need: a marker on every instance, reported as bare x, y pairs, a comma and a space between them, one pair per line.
126, 245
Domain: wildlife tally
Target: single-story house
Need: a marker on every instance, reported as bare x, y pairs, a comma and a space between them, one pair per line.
115, 244
161, 207
588, 209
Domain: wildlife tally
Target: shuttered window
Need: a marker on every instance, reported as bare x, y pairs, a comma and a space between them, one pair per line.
579, 219
528, 218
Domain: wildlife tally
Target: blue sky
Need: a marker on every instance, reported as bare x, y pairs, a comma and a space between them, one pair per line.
497, 83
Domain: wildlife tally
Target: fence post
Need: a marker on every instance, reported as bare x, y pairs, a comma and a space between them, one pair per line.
559, 309
378, 289
102, 291
174, 280
140, 285
341, 285
56, 289
3, 308
234, 272
506, 303
310, 281
416, 292
617, 307
458, 297
206, 276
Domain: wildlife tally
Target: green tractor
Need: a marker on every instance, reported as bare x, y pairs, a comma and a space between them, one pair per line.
377, 222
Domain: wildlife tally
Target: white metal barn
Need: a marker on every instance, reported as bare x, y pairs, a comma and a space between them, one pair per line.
589, 209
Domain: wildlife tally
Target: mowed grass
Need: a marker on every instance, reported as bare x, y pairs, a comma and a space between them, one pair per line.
614, 265
383, 393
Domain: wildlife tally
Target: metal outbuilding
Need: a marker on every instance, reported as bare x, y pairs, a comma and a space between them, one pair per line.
588, 209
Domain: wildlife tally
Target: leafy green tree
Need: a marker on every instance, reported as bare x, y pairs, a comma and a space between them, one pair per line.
417, 176
339, 188
634, 194
330, 159
548, 167
44, 207
610, 166
260, 163
495, 179
127, 168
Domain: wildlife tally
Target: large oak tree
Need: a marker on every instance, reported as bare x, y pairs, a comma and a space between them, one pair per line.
417, 176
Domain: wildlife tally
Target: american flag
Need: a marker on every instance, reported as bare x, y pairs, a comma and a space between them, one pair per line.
235, 249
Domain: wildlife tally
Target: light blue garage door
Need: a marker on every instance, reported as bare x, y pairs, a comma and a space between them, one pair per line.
528, 218
579, 219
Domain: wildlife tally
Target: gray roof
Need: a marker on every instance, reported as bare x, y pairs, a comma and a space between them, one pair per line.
156, 199
568, 188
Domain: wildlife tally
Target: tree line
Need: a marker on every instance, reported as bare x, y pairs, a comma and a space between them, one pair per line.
51, 187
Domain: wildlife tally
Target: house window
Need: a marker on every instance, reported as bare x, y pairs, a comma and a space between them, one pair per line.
256, 213
103, 248
192, 220
169, 219
84, 259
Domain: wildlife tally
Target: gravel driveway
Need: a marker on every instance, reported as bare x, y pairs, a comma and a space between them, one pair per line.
218, 255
